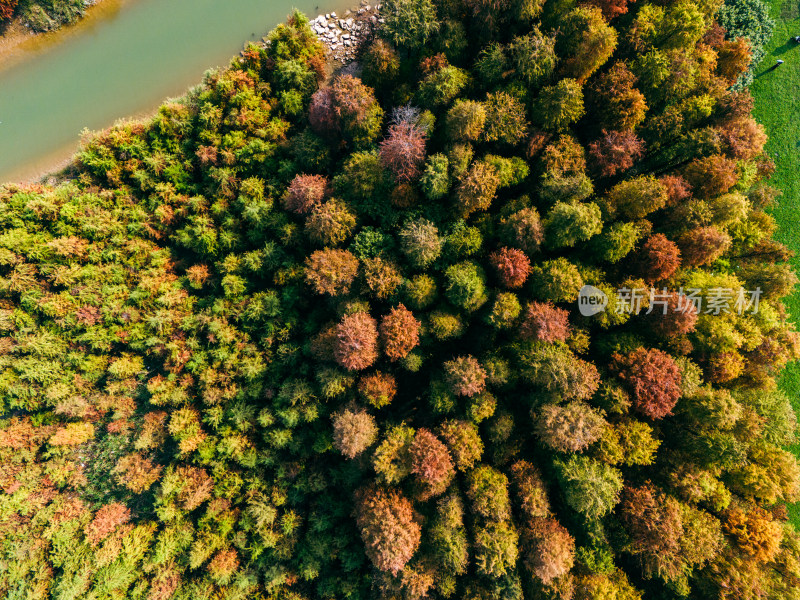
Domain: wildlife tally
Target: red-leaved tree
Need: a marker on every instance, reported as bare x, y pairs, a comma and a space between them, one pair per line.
331, 271
105, 521
674, 315
548, 550
511, 265
712, 175
388, 529
348, 107
322, 112
465, 376
615, 152
612, 8
733, 58
653, 379
403, 151
654, 527
305, 193
657, 259
544, 322
399, 332
617, 102
378, 388
431, 463
744, 138
678, 189
7, 9
703, 245
356, 341
224, 564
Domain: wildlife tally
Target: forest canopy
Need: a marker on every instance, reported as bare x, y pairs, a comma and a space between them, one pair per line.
302, 337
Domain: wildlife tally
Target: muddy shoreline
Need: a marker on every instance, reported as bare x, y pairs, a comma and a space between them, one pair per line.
13, 40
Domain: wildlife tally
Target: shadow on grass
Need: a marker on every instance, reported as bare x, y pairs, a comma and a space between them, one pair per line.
789, 45
766, 72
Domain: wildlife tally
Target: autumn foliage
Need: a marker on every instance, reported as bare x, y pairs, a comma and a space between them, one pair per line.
658, 258
511, 265
465, 375
356, 341
399, 332
653, 379
302, 338
305, 193
331, 271
431, 463
544, 322
353, 432
615, 152
7, 9
403, 151
378, 388
388, 528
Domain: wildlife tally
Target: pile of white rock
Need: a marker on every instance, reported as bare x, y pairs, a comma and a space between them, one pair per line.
343, 35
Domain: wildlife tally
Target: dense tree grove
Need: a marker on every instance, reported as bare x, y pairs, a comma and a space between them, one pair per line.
297, 338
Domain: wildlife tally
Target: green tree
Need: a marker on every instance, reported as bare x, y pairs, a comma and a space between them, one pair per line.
465, 286
409, 23
533, 57
496, 548
435, 180
560, 105
568, 224
442, 86
585, 42
556, 280
487, 490
421, 242
590, 487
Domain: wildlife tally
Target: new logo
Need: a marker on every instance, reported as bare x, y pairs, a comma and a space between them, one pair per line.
591, 300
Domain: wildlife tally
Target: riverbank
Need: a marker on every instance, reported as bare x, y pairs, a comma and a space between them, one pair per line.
13, 41
340, 25
103, 69
344, 36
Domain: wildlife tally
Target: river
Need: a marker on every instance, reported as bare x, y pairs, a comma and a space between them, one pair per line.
123, 60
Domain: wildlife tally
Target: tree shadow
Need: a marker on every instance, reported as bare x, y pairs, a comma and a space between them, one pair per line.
789, 45
765, 72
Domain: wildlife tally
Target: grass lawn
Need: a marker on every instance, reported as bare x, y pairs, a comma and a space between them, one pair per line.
777, 96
